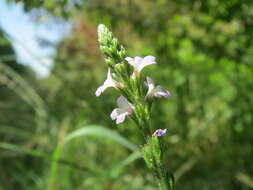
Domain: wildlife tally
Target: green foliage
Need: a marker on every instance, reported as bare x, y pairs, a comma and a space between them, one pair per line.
204, 51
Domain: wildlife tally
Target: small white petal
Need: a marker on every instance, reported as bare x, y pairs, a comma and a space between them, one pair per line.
124, 108
121, 118
138, 60
100, 90
156, 91
123, 103
139, 63
114, 114
148, 60
150, 83
130, 61
161, 92
109, 82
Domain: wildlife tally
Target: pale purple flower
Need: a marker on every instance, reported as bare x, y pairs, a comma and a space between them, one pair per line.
156, 91
109, 82
159, 132
124, 108
139, 63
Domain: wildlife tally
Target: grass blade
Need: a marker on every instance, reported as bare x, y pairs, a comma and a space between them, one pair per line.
95, 130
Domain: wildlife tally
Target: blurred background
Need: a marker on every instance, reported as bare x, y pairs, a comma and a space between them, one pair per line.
55, 134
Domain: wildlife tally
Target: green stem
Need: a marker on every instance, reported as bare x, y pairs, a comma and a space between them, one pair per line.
165, 178
154, 159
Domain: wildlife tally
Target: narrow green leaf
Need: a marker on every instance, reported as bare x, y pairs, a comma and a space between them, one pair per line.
95, 130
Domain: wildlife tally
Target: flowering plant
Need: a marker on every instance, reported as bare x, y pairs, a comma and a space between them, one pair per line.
137, 96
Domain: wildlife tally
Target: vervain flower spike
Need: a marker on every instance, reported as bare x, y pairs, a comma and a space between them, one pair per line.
139, 63
134, 103
124, 108
109, 82
156, 91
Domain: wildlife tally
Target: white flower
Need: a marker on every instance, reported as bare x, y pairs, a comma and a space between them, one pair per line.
124, 108
109, 82
139, 63
156, 91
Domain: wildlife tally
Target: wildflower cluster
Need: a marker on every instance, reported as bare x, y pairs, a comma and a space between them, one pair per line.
137, 96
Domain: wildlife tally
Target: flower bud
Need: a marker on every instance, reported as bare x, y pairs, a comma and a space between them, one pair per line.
122, 53
115, 43
104, 35
109, 61
147, 155
156, 149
